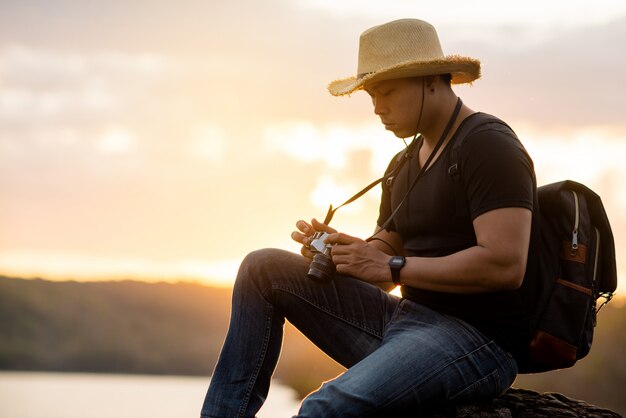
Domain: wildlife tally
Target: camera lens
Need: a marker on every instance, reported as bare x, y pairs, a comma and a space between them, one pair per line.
322, 268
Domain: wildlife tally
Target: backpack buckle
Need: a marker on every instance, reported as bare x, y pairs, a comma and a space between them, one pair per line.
453, 171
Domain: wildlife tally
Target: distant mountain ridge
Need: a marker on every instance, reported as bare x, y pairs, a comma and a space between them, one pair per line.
178, 328
126, 326
132, 327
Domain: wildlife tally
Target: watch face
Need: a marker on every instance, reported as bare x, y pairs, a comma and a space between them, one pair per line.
396, 262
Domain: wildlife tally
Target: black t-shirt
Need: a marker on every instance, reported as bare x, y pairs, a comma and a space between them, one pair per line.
436, 220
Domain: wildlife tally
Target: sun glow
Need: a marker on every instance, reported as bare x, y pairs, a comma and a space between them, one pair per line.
76, 266
207, 143
125, 152
115, 141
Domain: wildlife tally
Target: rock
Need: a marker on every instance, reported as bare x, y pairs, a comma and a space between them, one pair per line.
521, 403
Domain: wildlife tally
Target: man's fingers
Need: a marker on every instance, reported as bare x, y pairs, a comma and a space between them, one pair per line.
306, 253
322, 227
304, 231
340, 239
304, 227
300, 238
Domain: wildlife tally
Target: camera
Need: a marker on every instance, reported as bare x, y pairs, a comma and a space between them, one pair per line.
322, 268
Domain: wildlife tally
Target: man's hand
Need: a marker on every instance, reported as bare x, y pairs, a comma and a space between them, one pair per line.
304, 233
356, 258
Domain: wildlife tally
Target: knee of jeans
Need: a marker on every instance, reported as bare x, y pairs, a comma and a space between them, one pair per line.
266, 260
261, 267
334, 400
254, 264
318, 403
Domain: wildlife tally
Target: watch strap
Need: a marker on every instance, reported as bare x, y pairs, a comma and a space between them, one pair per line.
395, 264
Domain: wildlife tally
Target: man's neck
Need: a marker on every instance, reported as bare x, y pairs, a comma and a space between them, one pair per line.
439, 115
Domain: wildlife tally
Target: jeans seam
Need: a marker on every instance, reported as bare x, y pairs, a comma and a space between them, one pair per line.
257, 369
493, 374
512, 362
327, 310
434, 373
396, 314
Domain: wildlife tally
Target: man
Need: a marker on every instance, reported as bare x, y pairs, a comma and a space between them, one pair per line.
459, 247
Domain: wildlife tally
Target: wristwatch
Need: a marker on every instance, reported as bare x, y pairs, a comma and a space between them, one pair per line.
395, 264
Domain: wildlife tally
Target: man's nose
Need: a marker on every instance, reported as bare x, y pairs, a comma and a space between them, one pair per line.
379, 107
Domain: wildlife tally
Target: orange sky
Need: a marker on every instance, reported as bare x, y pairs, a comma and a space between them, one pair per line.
165, 142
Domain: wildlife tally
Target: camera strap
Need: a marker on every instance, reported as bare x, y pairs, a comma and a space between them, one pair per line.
423, 168
406, 155
400, 160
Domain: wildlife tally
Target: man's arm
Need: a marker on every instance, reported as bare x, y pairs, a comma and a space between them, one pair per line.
496, 263
388, 242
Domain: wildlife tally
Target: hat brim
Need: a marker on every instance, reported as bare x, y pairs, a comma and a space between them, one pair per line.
462, 69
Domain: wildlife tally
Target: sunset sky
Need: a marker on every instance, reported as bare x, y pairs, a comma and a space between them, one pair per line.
163, 141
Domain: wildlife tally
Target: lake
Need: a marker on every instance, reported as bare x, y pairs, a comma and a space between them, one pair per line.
83, 395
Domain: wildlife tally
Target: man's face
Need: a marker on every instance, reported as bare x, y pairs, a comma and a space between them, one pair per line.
397, 103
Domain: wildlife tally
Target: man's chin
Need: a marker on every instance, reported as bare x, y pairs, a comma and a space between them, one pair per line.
402, 135
394, 131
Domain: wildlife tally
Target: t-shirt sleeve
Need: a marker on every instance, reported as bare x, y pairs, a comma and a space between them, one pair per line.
496, 170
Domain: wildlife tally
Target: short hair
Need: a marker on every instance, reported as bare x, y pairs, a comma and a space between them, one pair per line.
446, 78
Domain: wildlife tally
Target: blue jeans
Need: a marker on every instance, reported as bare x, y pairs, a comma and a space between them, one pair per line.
402, 358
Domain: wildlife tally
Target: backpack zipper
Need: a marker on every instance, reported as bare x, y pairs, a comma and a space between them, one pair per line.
595, 262
576, 221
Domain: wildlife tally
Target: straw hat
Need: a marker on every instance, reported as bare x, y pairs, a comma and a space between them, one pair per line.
404, 48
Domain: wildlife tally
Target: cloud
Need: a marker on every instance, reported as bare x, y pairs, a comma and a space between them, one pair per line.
570, 80
521, 13
207, 143
115, 141
202, 131
584, 154
331, 145
49, 83
330, 190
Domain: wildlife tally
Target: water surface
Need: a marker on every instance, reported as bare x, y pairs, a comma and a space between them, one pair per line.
78, 395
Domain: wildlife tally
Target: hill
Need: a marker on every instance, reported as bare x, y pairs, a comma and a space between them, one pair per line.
165, 328
132, 327
129, 327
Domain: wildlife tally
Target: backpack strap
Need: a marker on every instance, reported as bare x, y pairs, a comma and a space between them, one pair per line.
466, 128
400, 159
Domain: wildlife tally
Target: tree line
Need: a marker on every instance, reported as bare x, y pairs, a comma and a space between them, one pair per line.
178, 328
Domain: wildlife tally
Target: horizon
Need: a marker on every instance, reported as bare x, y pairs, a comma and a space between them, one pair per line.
162, 143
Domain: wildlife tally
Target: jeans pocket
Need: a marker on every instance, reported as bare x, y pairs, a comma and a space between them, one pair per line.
487, 387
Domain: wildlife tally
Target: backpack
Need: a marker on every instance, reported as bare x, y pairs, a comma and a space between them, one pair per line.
576, 266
